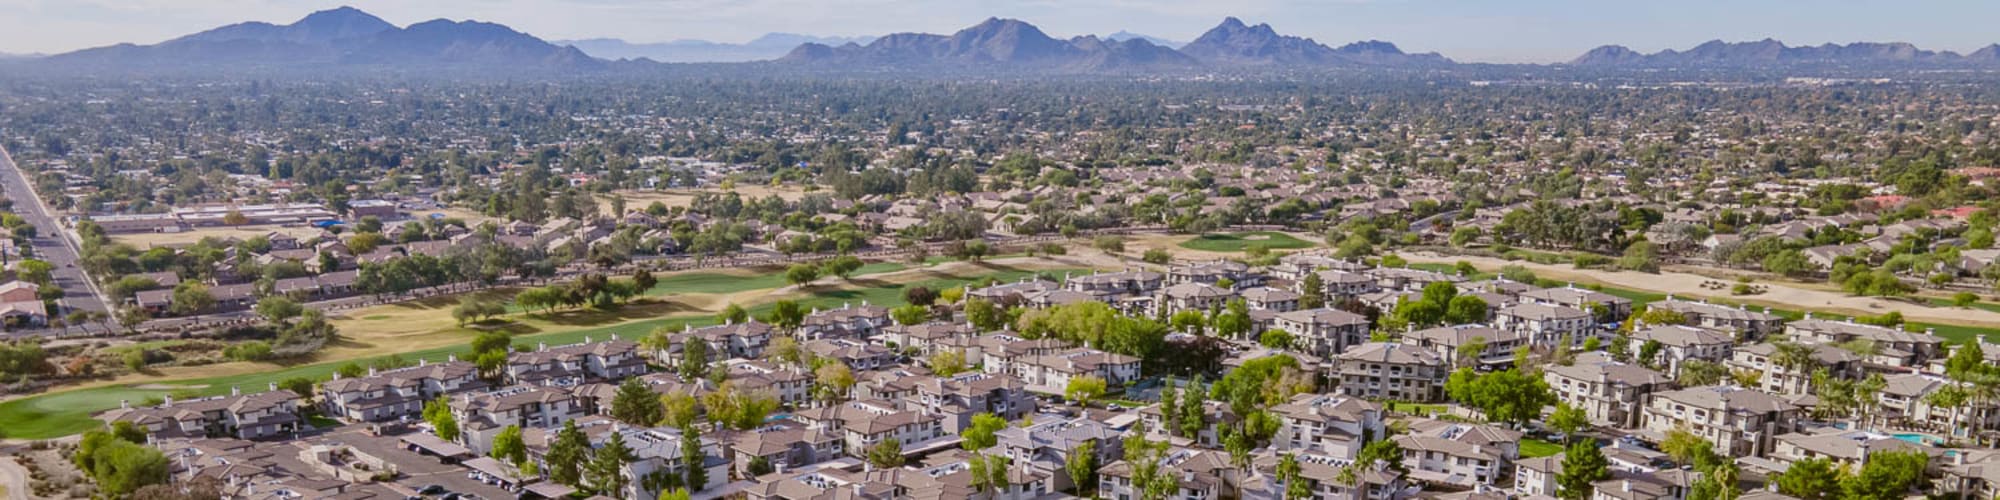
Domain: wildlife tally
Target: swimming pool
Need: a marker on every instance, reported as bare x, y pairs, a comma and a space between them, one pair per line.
1918, 439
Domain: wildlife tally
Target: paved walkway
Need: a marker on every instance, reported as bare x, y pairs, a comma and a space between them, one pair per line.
14, 479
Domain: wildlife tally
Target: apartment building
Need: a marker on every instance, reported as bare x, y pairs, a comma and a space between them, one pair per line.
1391, 371
1324, 332
1740, 422
1610, 392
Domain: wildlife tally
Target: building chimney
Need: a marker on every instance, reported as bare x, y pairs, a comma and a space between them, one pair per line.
614, 337
541, 346
236, 390
586, 339
336, 375
167, 402
273, 387
451, 358
125, 404
371, 371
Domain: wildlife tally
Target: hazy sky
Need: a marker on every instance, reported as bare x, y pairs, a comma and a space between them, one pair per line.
1466, 30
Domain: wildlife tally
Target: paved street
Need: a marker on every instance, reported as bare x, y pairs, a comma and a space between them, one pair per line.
51, 241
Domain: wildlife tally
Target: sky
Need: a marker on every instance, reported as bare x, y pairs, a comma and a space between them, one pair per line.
1465, 30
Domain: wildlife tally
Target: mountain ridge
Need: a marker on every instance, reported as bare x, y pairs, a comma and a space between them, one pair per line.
1769, 51
342, 36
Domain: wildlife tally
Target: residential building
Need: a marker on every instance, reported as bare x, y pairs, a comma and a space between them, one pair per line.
1740, 422
1391, 371
1611, 393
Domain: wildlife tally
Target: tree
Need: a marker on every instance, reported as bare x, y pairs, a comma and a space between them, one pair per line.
1291, 474
1109, 244
843, 266
508, 447
1234, 321
567, 454
1081, 466
1276, 339
119, 466
191, 298
1312, 292
910, 314
1640, 256
946, 363
1503, 396
438, 413
697, 475
606, 469
887, 454
278, 310
1687, 448
644, 279
680, 409
694, 359
1886, 475
833, 380
760, 466
1466, 309
980, 435
785, 350
39, 272
801, 274
1568, 420
787, 314
635, 404
1084, 390
732, 314
1810, 479
1582, 464
984, 314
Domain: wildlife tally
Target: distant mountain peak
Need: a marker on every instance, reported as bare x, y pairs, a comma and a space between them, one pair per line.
339, 36
1768, 52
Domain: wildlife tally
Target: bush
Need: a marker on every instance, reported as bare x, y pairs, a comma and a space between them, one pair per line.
1589, 260
1964, 299
1158, 256
254, 350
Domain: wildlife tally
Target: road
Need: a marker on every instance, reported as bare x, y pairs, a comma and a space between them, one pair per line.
52, 242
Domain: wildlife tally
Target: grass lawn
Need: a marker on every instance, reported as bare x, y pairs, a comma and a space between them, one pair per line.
1237, 242
68, 412
1535, 448
1418, 408
756, 279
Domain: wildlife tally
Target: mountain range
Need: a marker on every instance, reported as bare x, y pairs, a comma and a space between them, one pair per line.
1767, 52
349, 38
338, 37
1016, 43
764, 48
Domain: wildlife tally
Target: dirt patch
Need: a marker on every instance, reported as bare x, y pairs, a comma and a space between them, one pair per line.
1780, 295
639, 199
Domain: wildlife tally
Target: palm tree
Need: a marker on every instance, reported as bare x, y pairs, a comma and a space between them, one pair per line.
1866, 393
1949, 396
1795, 358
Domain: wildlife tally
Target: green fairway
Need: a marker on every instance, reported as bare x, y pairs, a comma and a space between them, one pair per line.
732, 283
1237, 242
65, 413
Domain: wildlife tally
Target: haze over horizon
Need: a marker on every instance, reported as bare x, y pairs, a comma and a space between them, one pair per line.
1533, 31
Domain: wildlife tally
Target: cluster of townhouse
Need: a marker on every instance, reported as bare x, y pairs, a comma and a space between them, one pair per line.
818, 446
